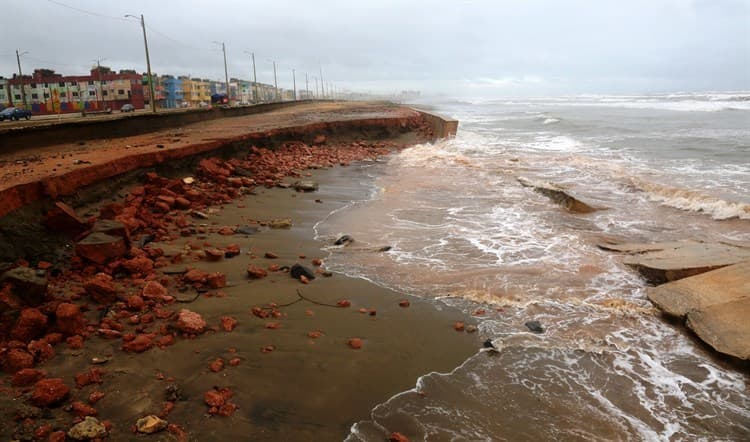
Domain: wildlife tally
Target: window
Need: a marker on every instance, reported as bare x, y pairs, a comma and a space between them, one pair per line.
46, 95
121, 92
104, 81
104, 93
17, 97
71, 83
75, 94
46, 84
33, 85
91, 82
35, 96
2, 86
92, 93
61, 84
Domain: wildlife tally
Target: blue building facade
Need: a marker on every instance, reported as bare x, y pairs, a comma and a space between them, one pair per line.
173, 92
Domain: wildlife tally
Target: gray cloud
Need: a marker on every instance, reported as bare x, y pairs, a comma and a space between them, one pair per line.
479, 47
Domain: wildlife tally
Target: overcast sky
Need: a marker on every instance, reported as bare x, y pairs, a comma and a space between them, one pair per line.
459, 48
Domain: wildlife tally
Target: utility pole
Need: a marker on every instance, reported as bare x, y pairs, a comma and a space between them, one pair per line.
148, 64
20, 78
99, 74
307, 87
322, 84
255, 79
317, 91
226, 74
275, 84
294, 82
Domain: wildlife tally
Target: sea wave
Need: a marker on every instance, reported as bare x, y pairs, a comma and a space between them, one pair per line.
693, 201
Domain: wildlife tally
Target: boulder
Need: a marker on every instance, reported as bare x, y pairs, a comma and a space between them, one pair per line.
69, 319
31, 324
113, 228
27, 284
297, 271
101, 288
99, 247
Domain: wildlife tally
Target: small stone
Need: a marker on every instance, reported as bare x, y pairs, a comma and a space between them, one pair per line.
281, 223
69, 318
216, 365
404, 303
315, 334
48, 392
344, 303
459, 326
228, 323
26, 377
298, 270
214, 254
534, 326
271, 255
150, 424
89, 428
99, 247
190, 322
27, 284
471, 329
344, 240
355, 343
397, 437
317, 262
256, 272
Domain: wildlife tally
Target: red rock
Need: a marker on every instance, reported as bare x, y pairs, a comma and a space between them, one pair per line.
259, 312
140, 344
57, 436
154, 290
195, 276
109, 334
303, 279
96, 396
273, 325
190, 322
319, 139
75, 342
62, 218
69, 319
216, 365
256, 272
397, 437
135, 302
99, 247
26, 377
404, 303
91, 376
53, 338
139, 265
31, 324
227, 409
166, 409
231, 250
228, 323
234, 362
344, 303
217, 397
101, 288
315, 334
317, 262
213, 254
355, 343
80, 409
458, 326
268, 349
168, 200
48, 392
41, 350
110, 211
182, 203
165, 341
271, 255
226, 230
42, 432
216, 280
17, 359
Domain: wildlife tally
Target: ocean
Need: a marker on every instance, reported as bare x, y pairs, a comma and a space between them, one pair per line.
464, 232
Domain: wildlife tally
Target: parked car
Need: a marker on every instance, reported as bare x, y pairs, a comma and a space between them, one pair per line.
127, 108
14, 113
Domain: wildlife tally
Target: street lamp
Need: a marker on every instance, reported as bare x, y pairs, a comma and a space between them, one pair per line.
148, 63
255, 78
20, 78
99, 74
294, 82
226, 75
275, 83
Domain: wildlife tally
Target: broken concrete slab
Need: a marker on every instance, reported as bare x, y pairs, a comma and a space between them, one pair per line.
558, 195
670, 261
725, 327
696, 293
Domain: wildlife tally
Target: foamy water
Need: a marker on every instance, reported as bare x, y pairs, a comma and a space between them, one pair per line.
465, 232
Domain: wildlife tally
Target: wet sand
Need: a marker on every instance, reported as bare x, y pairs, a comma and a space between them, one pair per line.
306, 389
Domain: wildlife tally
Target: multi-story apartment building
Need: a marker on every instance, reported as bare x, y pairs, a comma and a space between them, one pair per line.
47, 92
196, 92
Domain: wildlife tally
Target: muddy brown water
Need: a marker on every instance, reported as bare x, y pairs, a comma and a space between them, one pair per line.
307, 389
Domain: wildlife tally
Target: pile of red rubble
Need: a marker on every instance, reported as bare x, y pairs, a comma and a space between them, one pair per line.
111, 289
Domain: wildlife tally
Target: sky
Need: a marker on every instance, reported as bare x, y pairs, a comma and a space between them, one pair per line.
461, 48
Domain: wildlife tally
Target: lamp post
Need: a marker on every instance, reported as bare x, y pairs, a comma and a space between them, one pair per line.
255, 78
20, 78
226, 74
322, 84
148, 64
99, 75
294, 83
307, 86
275, 83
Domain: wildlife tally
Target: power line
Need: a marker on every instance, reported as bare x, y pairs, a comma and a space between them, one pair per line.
84, 11
151, 29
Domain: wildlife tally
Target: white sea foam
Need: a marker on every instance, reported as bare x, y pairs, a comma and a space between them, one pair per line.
694, 201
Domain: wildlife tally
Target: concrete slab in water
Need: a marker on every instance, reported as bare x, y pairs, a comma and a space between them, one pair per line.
699, 292
664, 262
725, 327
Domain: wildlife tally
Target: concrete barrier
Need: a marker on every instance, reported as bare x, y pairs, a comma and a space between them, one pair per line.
442, 127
